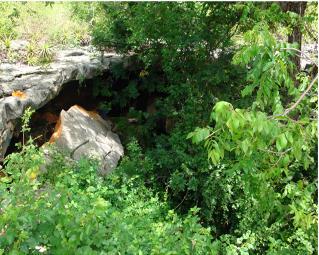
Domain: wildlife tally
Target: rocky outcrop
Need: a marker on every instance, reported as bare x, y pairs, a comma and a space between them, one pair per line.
80, 133
22, 86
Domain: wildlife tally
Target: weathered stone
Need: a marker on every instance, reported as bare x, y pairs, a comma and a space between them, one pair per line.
39, 85
80, 133
18, 45
311, 51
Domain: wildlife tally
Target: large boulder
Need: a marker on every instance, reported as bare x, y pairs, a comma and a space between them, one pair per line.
80, 133
22, 85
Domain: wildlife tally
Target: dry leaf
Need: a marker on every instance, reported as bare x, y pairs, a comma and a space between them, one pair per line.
19, 94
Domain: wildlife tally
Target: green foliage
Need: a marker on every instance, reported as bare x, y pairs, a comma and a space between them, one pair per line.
268, 13
230, 135
67, 207
25, 127
280, 22
176, 39
256, 193
7, 42
111, 88
86, 11
79, 212
53, 24
8, 19
255, 154
268, 159
181, 48
270, 78
310, 22
26, 119
45, 54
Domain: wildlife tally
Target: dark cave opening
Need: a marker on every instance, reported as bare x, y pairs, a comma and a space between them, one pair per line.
44, 119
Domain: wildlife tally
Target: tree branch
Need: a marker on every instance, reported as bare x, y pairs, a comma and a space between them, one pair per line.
182, 200
288, 110
304, 55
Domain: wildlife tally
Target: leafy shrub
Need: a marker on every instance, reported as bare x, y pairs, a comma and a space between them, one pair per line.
257, 190
75, 211
264, 159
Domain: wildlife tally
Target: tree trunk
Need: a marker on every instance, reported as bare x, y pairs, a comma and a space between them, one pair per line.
296, 35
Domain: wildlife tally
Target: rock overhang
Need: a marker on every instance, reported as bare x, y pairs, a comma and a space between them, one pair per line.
23, 86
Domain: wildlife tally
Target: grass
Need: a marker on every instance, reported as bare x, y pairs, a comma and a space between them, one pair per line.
54, 24
46, 27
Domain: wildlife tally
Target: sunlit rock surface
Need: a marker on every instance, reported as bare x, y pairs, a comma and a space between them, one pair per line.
80, 133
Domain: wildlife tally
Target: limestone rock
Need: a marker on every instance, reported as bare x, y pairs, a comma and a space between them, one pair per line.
18, 45
81, 133
22, 86
311, 51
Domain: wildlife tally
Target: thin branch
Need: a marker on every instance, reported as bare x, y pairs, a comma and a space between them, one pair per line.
211, 134
288, 110
276, 152
280, 157
301, 97
36, 138
182, 200
304, 55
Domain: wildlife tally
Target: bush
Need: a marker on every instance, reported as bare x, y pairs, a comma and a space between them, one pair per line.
75, 211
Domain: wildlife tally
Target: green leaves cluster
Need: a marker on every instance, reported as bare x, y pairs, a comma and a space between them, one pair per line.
175, 40
254, 153
274, 196
75, 211
270, 69
243, 133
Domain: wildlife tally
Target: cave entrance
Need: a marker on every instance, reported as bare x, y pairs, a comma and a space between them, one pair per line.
44, 119
84, 94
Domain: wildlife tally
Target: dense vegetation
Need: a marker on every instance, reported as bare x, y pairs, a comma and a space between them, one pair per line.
225, 164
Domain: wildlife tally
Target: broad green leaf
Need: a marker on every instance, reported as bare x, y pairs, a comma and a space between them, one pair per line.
199, 135
245, 146
214, 156
281, 142
248, 90
289, 137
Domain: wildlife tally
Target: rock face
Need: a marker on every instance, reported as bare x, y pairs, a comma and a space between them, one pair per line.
311, 50
22, 86
82, 133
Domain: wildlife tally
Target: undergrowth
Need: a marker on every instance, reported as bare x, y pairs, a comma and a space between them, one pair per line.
67, 208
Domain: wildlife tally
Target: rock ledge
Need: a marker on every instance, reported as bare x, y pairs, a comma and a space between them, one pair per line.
22, 86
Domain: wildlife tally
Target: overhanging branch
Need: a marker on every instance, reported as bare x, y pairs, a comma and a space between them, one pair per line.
301, 97
288, 110
302, 54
